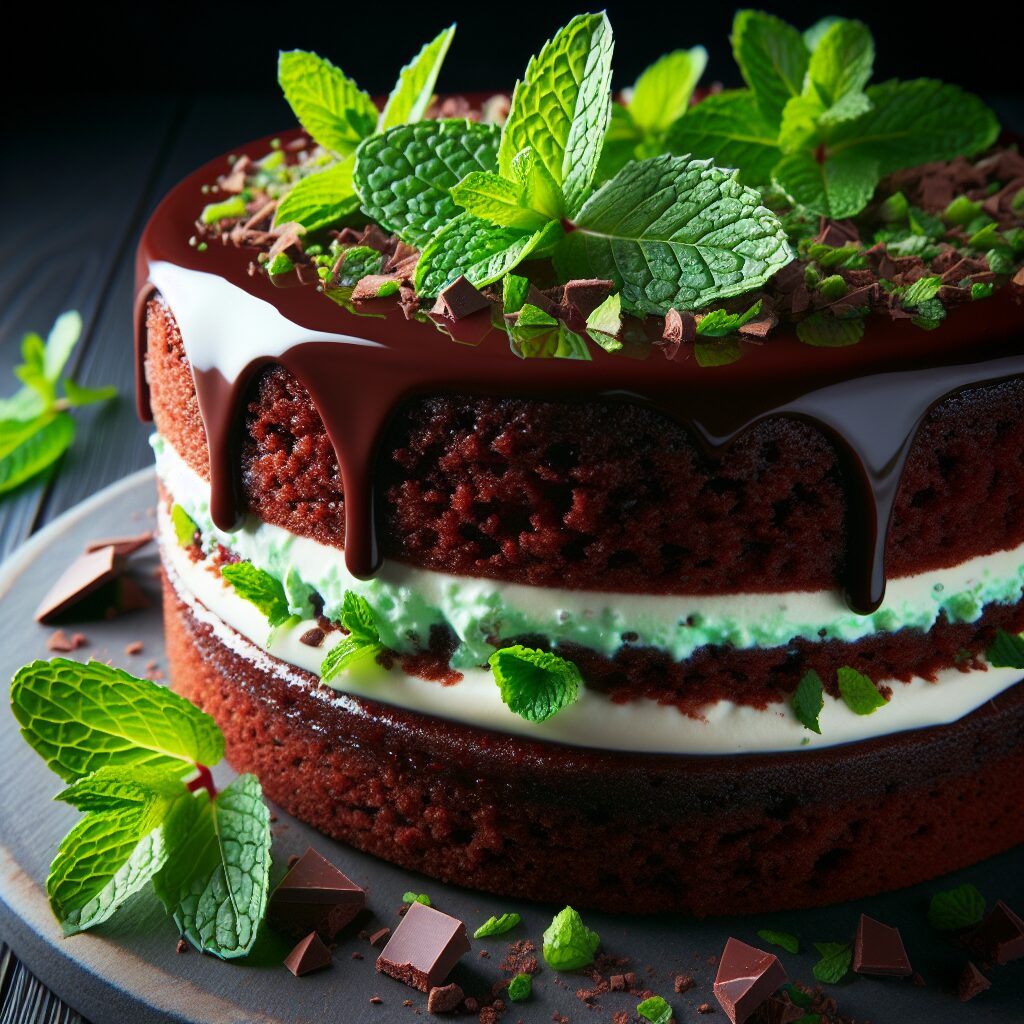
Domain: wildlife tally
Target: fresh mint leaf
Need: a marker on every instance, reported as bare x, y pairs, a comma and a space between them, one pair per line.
412, 897
835, 961
956, 909
225, 209
539, 190
482, 252
916, 122
260, 589
117, 848
25, 404
535, 684
813, 35
414, 89
730, 128
360, 261
568, 943
497, 926
60, 342
790, 943
808, 700
673, 232
1006, 651
561, 108
360, 647
655, 1010
216, 879
718, 323
840, 66
77, 396
185, 527
520, 988
823, 330
604, 324
772, 57
27, 447
840, 186
326, 102
320, 199
81, 717
404, 176
497, 200
923, 289
662, 93
858, 692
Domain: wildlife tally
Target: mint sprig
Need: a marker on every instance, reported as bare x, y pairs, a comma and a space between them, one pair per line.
535, 684
362, 645
126, 745
216, 888
568, 943
339, 115
35, 425
812, 124
674, 232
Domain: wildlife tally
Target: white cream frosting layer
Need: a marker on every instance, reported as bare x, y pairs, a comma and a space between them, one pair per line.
594, 721
407, 601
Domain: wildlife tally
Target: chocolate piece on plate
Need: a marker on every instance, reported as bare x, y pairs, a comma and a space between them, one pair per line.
746, 978
424, 948
999, 937
444, 999
878, 949
460, 299
123, 546
972, 983
314, 896
82, 577
309, 955
586, 295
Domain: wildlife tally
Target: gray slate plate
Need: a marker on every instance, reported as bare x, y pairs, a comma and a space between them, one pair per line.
128, 971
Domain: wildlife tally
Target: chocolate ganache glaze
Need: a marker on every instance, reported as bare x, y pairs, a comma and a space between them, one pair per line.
869, 397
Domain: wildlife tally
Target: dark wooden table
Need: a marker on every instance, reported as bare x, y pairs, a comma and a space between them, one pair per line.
86, 175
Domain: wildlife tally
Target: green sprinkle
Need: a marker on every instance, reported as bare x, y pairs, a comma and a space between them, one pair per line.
986, 238
982, 289
833, 287
961, 211
280, 264
422, 897
497, 926
227, 208
520, 988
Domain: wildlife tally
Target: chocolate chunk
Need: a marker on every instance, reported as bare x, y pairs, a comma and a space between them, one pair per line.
312, 637
371, 286
617, 983
86, 574
459, 300
309, 955
444, 998
778, 1010
972, 983
746, 978
999, 938
379, 936
878, 949
314, 896
424, 948
683, 983
586, 295
123, 546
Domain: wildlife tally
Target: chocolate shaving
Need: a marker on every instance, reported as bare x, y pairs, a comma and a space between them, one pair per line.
459, 300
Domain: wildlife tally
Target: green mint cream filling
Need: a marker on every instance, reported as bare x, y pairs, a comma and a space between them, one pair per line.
478, 610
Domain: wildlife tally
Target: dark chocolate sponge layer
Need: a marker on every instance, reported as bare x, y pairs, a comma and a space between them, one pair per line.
704, 835
611, 497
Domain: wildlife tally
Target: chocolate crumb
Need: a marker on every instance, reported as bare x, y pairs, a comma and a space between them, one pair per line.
617, 983
378, 936
312, 637
471, 1005
135, 647
181, 947
376, 1000
705, 1008
683, 983
59, 642
444, 998
356, 955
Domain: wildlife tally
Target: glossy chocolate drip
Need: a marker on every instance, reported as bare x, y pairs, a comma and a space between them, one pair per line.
871, 397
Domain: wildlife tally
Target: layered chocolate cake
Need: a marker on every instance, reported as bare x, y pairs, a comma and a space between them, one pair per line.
591, 523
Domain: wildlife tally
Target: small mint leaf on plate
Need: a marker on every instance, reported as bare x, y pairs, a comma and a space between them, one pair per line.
81, 717
497, 926
216, 879
672, 232
326, 102
808, 700
835, 961
562, 106
655, 1010
405, 175
859, 693
414, 897
1006, 651
568, 943
535, 684
790, 943
414, 89
956, 909
520, 988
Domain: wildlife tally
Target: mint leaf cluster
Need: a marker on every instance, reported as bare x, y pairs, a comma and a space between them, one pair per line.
339, 115
660, 97
811, 123
668, 231
535, 684
858, 692
359, 649
35, 425
126, 747
568, 943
